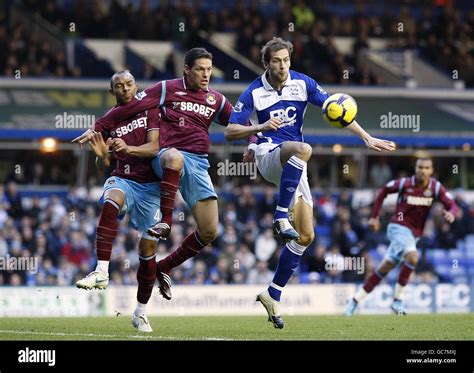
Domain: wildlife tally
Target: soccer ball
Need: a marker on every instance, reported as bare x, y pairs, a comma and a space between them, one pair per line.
339, 110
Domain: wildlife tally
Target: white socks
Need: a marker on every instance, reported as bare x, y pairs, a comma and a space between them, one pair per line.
398, 294
103, 266
140, 309
361, 294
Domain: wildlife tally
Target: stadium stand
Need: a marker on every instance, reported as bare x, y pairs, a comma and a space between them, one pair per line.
328, 40
57, 224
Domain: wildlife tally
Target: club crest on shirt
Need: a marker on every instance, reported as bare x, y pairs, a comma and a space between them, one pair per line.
294, 91
427, 193
211, 99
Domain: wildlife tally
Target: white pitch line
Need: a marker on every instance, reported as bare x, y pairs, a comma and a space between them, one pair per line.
113, 336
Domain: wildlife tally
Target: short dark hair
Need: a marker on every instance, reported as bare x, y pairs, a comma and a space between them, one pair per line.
119, 73
194, 54
274, 45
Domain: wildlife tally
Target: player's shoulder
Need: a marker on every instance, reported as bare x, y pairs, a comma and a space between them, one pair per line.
215, 93
297, 76
435, 184
257, 83
253, 89
173, 83
309, 82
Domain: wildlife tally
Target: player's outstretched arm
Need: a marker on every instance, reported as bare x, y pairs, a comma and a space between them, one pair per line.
392, 186
235, 131
84, 138
372, 142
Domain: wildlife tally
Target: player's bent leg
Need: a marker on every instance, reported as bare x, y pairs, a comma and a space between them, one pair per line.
172, 161
406, 269
148, 247
370, 283
293, 158
107, 228
146, 274
206, 216
303, 222
295, 148
146, 277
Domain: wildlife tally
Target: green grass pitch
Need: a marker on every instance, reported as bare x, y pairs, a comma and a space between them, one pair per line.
366, 327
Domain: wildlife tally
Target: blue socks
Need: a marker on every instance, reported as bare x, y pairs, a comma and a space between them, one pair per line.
288, 262
290, 178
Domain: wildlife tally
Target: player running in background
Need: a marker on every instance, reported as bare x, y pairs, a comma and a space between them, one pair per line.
416, 195
133, 188
275, 103
188, 107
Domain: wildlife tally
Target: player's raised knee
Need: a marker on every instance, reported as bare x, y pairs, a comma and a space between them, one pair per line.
173, 158
412, 258
306, 238
303, 151
208, 235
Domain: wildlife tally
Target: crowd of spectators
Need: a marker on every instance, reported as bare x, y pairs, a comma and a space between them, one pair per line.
443, 35
59, 231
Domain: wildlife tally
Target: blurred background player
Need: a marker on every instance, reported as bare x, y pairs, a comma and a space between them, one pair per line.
275, 103
416, 195
188, 107
133, 187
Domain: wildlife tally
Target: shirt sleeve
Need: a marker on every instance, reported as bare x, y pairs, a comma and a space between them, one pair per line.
447, 200
147, 99
389, 188
154, 119
243, 109
316, 94
224, 113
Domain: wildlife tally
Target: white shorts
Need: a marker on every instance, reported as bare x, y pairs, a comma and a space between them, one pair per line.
267, 156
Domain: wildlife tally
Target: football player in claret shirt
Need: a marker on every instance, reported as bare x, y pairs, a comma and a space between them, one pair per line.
416, 195
133, 188
188, 107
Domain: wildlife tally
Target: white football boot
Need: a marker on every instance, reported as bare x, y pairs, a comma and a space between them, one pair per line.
94, 280
141, 323
273, 309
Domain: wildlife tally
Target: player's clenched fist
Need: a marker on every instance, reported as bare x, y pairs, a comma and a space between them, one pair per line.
118, 145
270, 125
374, 224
